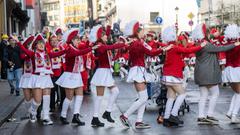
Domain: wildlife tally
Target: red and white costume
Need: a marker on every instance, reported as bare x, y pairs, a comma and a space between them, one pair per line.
42, 67
137, 53
26, 81
71, 78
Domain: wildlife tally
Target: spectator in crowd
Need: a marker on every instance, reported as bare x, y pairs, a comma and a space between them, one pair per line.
14, 65
3, 65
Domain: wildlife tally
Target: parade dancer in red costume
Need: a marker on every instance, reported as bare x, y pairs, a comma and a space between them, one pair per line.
42, 82
219, 40
103, 75
87, 61
231, 74
173, 76
71, 79
57, 67
26, 82
137, 73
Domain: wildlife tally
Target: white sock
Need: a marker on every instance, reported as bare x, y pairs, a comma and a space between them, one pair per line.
77, 104
65, 106
28, 104
46, 106
179, 100
141, 113
34, 107
202, 102
111, 100
97, 104
143, 97
229, 113
213, 99
121, 74
124, 70
168, 108
237, 105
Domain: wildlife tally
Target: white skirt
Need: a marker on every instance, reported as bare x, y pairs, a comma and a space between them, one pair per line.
42, 81
70, 80
138, 74
103, 77
171, 80
26, 81
231, 74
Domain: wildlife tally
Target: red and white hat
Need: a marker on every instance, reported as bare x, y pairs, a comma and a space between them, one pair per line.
95, 33
131, 28
28, 41
199, 33
39, 37
59, 31
69, 35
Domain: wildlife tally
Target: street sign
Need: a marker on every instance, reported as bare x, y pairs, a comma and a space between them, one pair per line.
191, 15
190, 23
159, 20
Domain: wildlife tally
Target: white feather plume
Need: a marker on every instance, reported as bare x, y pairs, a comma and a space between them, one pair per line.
197, 33
169, 34
66, 33
128, 30
93, 33
232, 32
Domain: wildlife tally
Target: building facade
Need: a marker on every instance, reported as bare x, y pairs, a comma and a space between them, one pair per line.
220, 12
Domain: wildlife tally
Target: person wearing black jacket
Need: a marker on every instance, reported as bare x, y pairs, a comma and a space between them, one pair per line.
3, 66
14, 65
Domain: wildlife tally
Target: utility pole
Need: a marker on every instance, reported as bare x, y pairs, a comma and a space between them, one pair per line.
209, 11
5, 16
222, 15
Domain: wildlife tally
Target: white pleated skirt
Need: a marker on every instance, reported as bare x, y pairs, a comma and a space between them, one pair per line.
26, 81
70, 80
103, 77
171, 80
138, 74
42, 81
231, 74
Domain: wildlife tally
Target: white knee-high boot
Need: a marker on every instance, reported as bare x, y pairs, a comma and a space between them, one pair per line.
202, 102
213, 100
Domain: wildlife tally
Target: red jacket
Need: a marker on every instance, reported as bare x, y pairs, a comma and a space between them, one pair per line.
219, 41
102, 54
56, 72
174, 64
71, 53
137, 52
233, 57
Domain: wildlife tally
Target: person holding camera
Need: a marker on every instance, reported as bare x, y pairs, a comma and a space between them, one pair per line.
14, 65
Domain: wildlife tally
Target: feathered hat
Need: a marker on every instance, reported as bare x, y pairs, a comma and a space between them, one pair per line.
169, 34
95, 33
59, 31
69, 35
199, 33
232, 32
131, 28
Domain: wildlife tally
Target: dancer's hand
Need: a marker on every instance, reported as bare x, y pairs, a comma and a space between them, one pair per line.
168, 47
95, 47
203, 43
237, 43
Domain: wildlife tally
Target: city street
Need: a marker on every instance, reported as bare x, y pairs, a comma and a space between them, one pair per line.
126, 97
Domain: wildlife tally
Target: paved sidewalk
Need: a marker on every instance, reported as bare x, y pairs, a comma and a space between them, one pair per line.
8, 102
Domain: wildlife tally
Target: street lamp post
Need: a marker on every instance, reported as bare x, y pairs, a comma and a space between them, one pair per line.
176, 24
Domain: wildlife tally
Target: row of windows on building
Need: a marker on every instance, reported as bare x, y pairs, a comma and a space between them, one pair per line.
53, 6
73, 2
